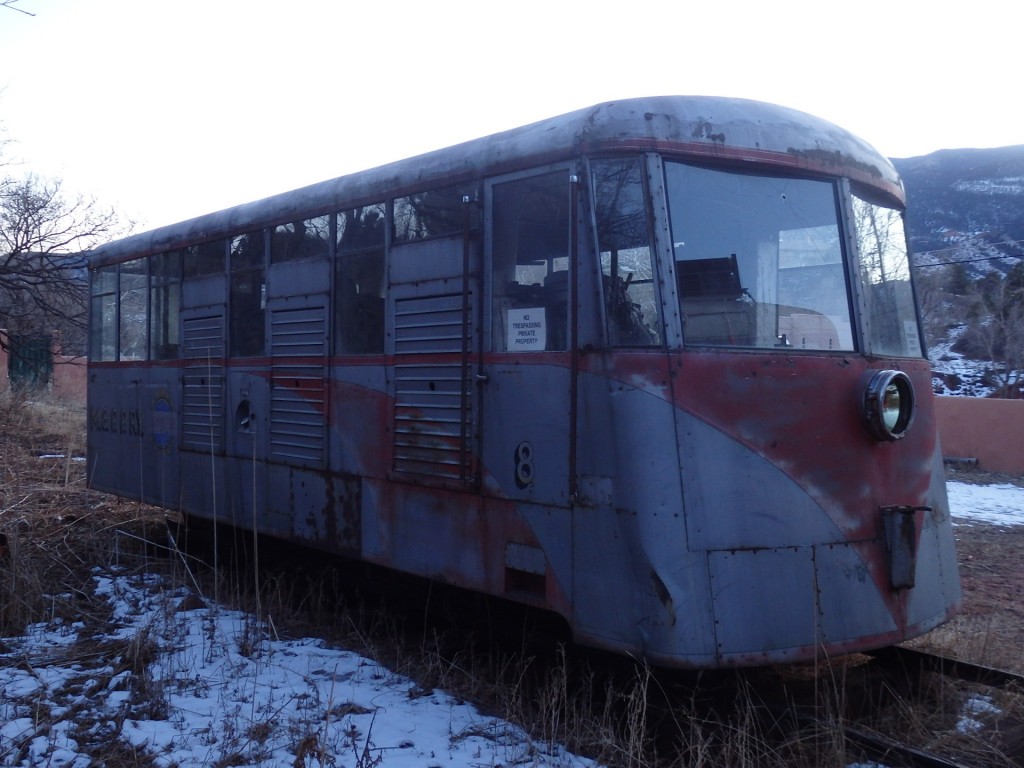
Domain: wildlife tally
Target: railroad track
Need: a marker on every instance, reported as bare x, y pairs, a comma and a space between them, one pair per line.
919, 661
913, 663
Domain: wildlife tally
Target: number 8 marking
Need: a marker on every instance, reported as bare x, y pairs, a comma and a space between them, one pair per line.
524, 464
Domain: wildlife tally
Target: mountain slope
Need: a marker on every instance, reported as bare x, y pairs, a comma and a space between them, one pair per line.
965, 219
958, 193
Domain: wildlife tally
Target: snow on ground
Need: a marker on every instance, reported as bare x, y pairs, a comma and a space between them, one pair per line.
208, 686
198, 686
1001, 504
955, 374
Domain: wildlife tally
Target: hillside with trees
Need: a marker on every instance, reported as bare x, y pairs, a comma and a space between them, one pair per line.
966, 226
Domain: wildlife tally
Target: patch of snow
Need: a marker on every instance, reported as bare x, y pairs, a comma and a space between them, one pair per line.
1001, 504
954, 374
225, 690
976, 705
1009, 185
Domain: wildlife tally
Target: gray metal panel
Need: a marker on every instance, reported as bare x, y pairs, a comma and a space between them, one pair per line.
429, 324
202, 410
658, 600
765, 600
298, 401
525, 406
412, 261
201, 491
938, 583
295, 278
203, 291
724, 486
934, 589
849, 603
432, 404
632, 523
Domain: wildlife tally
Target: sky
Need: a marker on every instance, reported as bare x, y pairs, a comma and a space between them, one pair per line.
227, 686
168, 110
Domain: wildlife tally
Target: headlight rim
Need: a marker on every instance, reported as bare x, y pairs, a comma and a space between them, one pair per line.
874, 409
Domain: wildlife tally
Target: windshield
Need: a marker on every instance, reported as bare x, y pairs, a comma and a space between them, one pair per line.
759, 260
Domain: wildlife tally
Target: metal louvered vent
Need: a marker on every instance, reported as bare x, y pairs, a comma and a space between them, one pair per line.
298, 403
203, 379
433, 407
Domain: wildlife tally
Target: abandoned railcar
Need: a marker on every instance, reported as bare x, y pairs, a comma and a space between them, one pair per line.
655, 366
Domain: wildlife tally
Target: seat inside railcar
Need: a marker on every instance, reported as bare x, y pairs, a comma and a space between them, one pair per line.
716, 308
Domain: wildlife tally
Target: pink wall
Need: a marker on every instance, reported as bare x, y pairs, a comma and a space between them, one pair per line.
69, 378
989, 430
68, 381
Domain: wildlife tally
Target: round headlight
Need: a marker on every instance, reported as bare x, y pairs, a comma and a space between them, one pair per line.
888, 405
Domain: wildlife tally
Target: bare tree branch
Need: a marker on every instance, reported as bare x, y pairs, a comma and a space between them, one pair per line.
11, 4
44, 235
996, 326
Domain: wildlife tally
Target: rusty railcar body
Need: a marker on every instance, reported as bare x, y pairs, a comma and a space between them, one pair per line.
653, 365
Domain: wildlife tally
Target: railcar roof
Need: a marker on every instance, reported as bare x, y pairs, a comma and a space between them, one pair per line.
699, 127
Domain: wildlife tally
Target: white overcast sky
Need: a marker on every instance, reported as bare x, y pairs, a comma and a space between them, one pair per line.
166, 109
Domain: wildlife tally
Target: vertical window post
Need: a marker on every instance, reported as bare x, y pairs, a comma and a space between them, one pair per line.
574, 353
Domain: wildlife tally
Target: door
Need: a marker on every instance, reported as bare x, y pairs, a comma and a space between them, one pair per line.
528, 394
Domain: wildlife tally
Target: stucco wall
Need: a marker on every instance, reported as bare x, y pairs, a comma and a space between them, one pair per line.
69, 378
67, 381
989, 430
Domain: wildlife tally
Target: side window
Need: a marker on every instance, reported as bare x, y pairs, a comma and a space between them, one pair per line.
204, 259
624, 241
434, 213
132, 322
885, 277
530, 263
164, 303
103, 314
301, 240
359, 281
248, 294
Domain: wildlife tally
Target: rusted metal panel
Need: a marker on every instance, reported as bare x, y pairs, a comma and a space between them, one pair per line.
326, 509
773, 406
901, 530
360, 413
432, 399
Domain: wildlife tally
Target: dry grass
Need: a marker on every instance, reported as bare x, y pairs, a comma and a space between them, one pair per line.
54, 532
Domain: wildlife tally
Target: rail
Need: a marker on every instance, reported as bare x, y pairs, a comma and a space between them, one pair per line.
914, 660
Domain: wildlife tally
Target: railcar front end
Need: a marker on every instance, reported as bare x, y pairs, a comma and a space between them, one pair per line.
776, 490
